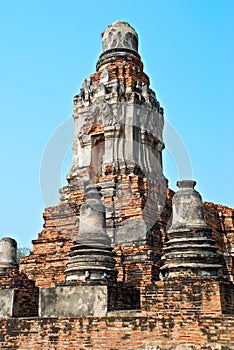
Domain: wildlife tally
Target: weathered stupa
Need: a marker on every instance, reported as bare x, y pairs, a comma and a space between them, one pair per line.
118, 145
190, 250
91, 258
122, 262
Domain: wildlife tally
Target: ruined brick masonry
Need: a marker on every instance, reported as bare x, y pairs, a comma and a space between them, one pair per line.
122, 262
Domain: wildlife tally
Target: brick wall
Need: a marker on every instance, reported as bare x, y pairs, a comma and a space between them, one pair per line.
118, 332
47, 260
198, 295
221, 219
25, 292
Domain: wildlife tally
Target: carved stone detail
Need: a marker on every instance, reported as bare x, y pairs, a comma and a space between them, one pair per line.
104, 77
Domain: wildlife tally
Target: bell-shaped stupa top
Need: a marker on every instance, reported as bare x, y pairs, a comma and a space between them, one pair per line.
187, 208
120, 35
8, 252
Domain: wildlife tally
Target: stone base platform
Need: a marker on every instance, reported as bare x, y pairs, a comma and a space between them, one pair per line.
86, 300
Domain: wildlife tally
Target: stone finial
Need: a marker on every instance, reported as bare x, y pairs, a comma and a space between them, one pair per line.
91, 257
190, 250
120, 35
8, 251
119, 40
187, 208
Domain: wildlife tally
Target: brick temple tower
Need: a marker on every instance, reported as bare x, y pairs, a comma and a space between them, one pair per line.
118, 137
122, 262
117, 144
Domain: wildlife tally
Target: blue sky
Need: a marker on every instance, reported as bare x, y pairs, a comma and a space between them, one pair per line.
49, 46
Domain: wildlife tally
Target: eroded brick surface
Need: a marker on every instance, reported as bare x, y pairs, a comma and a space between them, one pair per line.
221, 219
26, 294
120, 333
